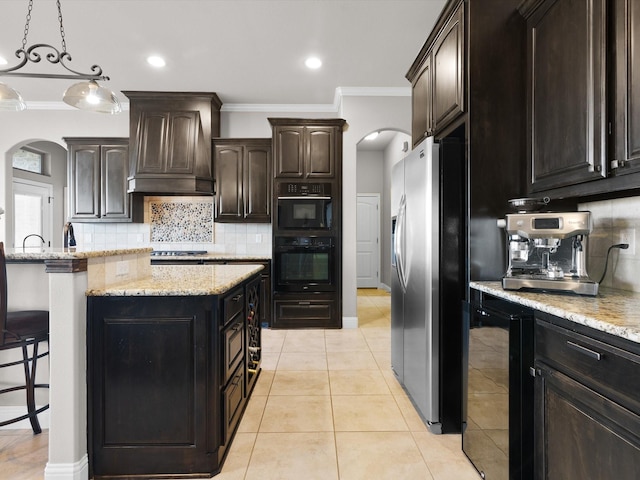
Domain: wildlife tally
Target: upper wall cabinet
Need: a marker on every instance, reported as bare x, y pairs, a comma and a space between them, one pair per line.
243, 180
170, 149
626, 85
437, 78
306, 148
98, 169
583, 115
566, 43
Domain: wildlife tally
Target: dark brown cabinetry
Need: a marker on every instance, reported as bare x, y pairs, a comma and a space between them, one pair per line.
566, 44
168, 381
438, 75
626, 84
448, 71
170, 149
582, 109
98, 169
587, 406
306, 148
243, 180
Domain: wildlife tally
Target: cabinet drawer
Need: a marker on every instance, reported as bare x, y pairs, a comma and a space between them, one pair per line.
233, 348
233, 305
604, 368
232, 403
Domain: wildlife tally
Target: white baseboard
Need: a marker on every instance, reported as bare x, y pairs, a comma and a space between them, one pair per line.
349, 322
8, 412
68, 471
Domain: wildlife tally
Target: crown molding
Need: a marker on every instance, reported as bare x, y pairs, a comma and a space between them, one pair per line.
334, 107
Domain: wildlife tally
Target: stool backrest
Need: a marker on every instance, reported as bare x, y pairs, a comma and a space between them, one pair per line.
3, 293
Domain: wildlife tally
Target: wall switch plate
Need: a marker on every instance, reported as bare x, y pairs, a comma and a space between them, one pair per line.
122, 268
628, 235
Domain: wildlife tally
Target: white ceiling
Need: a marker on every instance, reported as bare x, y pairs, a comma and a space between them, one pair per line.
250, 52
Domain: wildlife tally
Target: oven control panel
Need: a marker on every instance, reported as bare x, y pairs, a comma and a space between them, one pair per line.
304, 189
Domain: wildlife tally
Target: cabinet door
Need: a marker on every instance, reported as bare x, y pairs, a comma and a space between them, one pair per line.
228, 174
84, 182
627, 87
580, 433
321, 152
448, 71
421, 103
290, 152
566, 93
114, 165
257, 182
183, 135
153, 136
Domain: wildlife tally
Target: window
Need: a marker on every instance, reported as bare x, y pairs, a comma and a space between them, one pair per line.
29, 160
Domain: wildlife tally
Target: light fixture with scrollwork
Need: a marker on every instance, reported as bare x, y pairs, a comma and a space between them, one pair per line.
85, 95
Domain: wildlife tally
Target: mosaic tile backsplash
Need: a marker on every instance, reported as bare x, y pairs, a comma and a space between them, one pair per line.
181, 221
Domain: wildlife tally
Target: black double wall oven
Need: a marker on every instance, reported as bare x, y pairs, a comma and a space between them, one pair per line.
305, 266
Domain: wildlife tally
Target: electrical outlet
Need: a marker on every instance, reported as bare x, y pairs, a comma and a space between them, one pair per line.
122, 268
628, 235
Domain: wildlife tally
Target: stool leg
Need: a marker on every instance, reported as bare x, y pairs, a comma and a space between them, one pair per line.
30, 378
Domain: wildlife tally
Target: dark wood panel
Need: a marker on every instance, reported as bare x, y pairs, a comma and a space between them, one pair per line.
115, 167
289, 152
321, 152
258, 182
183, 139
228, 173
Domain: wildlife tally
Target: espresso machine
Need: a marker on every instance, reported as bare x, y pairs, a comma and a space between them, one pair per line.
548, 251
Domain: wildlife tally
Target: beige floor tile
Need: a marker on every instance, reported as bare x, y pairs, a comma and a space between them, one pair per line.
367, 413
351, 361
269, 360
444, 456
358, 382
302, 413
411, 416
263, 385
352, 341
383, 359
310, 382
253, 413
272, 340
304, 341
237, 461
392, 381
379, 456
293, 456
302, 361
22, 454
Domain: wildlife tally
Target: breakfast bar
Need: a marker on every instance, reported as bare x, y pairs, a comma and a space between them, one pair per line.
78, 279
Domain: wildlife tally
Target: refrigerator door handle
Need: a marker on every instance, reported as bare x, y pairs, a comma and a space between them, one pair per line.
399, 242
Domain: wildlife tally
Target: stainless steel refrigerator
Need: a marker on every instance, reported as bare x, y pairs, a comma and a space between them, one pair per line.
427, 288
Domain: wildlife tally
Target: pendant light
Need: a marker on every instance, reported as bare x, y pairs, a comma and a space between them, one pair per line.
85, 95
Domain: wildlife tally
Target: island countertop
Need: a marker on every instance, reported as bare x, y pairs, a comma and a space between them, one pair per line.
613, 311
40, 255
182, 280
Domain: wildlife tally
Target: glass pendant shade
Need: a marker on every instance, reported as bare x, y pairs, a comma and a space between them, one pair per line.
91, 96
10, 99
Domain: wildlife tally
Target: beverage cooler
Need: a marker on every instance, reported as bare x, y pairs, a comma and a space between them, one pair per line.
498, 388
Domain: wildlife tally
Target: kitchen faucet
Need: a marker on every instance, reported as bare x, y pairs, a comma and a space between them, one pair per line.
31, 235
68, 238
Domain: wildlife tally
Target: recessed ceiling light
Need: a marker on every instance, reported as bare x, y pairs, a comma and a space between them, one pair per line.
313, 63
156, 61
372, 136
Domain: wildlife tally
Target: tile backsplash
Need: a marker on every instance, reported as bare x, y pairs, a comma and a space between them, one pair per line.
610, 218
178, 223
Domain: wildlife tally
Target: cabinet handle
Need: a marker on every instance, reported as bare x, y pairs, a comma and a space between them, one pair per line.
584, 350
236, 298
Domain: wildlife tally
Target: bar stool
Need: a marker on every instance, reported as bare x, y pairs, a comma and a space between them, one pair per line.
26, 330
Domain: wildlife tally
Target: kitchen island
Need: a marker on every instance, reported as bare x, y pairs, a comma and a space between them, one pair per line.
586, 400
172, 360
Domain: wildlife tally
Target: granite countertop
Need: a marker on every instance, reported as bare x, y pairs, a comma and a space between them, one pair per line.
182, 280
36, 254
613, 311
215, 256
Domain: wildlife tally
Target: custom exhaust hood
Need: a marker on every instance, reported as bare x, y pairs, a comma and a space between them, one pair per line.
170, 142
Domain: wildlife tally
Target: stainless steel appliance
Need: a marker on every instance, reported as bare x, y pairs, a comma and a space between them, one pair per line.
548, 251
304, 206
498, 402
304, 264
428, 285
